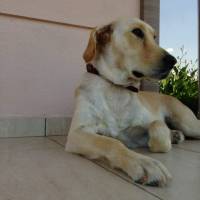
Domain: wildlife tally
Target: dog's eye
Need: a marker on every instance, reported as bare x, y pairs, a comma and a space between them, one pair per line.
138, 32
154, 37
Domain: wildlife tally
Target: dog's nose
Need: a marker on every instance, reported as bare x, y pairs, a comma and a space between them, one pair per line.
169, 61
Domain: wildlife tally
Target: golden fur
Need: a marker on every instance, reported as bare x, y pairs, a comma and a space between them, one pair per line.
108, 117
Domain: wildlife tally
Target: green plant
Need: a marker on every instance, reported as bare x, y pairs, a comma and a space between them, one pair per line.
182, 82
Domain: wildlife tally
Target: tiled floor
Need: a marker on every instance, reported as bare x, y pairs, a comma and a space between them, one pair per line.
39, 169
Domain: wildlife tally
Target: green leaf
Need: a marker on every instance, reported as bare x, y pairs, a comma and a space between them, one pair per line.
182, 82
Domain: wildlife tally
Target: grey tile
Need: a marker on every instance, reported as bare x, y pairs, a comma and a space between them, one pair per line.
184, 167
26, 144
51, 173
21, 127
190, 145
59, 139
57, 125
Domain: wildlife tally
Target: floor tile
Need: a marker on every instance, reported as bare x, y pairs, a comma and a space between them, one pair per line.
182, 162
53, 174
190, 145
59, 139
25, 144
184, 167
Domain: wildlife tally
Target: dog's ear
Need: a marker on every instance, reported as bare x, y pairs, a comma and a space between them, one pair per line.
103, 35
97, 41
90, 51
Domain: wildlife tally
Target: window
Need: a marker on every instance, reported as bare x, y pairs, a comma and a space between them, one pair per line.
177, 25
179, 36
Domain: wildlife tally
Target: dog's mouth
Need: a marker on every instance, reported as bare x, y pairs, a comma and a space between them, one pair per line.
137, 74
161, 74
158, 74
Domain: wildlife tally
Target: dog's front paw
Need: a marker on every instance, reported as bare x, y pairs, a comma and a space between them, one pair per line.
177, 136
148, 171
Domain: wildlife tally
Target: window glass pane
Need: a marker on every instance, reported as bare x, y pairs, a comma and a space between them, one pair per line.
179, 36
178, 26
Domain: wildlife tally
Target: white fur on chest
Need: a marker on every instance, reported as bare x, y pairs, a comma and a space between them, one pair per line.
113, 108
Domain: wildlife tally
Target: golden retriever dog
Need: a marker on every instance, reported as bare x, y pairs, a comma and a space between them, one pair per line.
111, 117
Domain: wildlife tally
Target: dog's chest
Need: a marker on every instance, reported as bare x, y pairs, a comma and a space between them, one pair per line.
115, 109
116, 116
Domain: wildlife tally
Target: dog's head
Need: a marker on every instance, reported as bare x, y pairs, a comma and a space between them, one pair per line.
125, 51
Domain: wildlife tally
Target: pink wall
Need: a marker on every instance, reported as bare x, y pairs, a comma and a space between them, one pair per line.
41, 63
82, 12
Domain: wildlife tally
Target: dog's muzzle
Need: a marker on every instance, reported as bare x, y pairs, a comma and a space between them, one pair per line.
167, 63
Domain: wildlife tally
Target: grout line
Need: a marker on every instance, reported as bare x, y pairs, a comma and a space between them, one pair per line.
46, 21
45, 127
182, 148
50, 138
127, 179
21, 137
115, 173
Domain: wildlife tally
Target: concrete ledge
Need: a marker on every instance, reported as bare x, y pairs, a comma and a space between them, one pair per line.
22, 127
34, 126
57, 125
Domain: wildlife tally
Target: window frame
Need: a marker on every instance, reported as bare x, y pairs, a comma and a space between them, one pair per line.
150, 13
198, 10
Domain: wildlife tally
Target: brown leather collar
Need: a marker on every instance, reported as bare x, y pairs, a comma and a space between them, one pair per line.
91, 69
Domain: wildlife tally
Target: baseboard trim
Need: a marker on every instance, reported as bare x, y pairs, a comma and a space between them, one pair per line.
57, 125
33, 126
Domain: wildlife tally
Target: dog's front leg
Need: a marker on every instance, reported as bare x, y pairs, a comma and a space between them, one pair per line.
159, 137
142, 169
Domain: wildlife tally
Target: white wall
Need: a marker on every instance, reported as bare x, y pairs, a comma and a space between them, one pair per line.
41, 63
